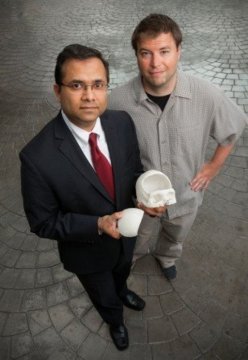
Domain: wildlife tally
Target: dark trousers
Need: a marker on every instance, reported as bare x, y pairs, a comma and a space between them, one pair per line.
105, 290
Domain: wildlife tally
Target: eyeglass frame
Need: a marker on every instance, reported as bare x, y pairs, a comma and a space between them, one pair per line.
85, 86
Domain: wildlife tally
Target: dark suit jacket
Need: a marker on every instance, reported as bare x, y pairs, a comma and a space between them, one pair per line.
63, 197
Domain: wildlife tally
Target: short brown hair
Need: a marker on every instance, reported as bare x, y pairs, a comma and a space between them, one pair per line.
153, 25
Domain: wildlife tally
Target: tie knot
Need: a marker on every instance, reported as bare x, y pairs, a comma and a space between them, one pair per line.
93, 139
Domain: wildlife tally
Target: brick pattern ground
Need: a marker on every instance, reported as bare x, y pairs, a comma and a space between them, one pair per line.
44, 312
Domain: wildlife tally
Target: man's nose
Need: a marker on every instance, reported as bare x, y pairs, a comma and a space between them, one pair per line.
155, 60
88, 93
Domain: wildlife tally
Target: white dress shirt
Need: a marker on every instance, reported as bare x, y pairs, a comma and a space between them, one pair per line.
82, 138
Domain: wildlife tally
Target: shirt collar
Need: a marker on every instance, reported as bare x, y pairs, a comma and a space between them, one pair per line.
82, 134
182, 88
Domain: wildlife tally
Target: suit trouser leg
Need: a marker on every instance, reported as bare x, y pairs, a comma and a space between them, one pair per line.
171, 237
105, 288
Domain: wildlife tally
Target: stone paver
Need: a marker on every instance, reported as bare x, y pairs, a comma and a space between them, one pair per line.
45, 313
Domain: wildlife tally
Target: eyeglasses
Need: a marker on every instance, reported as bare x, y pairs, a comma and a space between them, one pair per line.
79, 86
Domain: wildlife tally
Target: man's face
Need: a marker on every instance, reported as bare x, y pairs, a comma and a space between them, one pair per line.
82, 104
157, 60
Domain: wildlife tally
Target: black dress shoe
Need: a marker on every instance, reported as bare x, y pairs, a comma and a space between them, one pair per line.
170, 273
119, 335
133, 301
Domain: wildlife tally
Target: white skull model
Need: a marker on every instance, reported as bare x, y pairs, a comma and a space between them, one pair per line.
153, 189
129, 224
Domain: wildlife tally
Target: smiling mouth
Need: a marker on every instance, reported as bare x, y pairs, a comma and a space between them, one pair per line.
154, 73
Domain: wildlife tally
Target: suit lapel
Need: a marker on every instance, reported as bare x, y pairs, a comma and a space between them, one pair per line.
71, 150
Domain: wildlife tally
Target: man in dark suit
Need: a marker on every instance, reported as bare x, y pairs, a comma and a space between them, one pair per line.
65, 196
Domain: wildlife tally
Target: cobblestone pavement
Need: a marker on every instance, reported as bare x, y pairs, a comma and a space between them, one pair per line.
44, 312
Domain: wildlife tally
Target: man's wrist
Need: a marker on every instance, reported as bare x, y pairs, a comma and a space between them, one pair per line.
99, 225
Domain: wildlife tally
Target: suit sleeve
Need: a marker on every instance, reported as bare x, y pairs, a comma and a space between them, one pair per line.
43, 212
136, 152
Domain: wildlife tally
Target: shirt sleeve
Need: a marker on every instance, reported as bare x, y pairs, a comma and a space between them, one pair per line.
229, 121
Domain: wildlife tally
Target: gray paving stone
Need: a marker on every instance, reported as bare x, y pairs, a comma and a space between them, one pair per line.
19, 223
204, 337
56, 294
39, 321
3, 318
147, 266
185, 320
222, 179
138, 283
80, 305
48, 342
104, 332
240, 185
62, 354
112, 353
213, 315
61, 315
16, 324
93, 347
215, 48
152, 308
171, 303
74, 334
74, 285
8, 278
27, 260
131, 314
241, 198
48, 258
141, 352
44, 277
92, 320
229, 195
5, 348
29, 243
60, 274
180, 349
236, 161
34, 300
10, 258
21, 345
3, 250
228, 348
235, 172
244, 356
158, 285
45, 244
11, 300
161, 330
241, 151
238, 332
209, 356
16, 241
137, 330
26, 279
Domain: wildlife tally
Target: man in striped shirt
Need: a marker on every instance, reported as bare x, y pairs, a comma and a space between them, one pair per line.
174, 114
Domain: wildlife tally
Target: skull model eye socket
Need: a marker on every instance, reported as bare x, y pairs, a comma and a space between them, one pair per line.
154, 189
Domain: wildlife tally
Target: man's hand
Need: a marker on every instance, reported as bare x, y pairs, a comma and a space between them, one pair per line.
108, 224
209, 170
157, 211
203, 177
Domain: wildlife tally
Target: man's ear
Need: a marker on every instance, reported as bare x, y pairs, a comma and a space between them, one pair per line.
179, 52
56, 89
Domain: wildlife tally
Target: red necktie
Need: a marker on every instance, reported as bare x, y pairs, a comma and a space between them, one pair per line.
102, 166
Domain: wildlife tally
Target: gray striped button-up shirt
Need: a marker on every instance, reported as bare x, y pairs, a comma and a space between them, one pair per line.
174, 141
